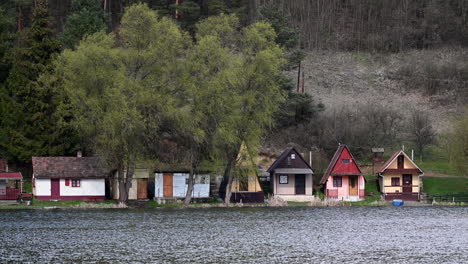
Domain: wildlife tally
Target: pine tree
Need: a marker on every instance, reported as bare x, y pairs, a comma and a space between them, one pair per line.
29, 124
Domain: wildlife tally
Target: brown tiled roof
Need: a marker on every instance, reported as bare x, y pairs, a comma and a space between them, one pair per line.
68, 167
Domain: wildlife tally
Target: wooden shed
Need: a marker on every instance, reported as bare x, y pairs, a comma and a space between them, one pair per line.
139, 188
246, 187
174, 184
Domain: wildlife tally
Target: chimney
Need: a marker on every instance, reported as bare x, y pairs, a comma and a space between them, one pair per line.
79, 154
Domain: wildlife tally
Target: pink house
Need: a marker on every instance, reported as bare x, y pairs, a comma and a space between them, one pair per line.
343, 178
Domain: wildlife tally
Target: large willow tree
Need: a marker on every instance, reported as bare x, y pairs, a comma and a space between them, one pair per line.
119, 85
150, 89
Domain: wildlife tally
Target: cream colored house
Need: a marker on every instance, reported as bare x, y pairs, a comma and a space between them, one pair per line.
400, 178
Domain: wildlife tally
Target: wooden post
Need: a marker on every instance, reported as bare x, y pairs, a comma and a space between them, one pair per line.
298, 78
303, 81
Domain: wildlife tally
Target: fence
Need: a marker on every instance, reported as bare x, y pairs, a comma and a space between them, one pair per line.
448, 198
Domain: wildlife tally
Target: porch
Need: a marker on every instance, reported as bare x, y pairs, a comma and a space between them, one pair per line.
405, 196
9, 193
334, 194
10, 185
296, 198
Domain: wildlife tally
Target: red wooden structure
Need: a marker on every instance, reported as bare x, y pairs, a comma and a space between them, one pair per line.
10, 185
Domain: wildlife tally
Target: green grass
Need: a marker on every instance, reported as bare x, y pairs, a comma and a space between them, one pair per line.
372, 186
298, 203
60, 204
439, 166
446, 186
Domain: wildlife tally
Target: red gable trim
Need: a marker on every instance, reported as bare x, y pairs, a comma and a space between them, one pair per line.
334, 161
394, 156
403, 170
11, 175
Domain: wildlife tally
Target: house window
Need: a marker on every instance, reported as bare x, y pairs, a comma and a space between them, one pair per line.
293, 156
395, 181
337, 181
67, 182
345, 160
283, 179
76, 183
401, 162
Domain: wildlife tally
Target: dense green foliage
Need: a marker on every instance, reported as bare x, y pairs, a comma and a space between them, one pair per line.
127, 92
29, 124
87, 17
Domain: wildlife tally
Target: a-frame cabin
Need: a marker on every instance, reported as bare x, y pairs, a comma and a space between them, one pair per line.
399, 178
291, 177
343, 178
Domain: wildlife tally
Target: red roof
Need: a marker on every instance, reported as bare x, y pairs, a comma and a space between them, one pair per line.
351, 168
10, 175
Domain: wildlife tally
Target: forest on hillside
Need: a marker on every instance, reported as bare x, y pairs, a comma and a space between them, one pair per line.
204, 79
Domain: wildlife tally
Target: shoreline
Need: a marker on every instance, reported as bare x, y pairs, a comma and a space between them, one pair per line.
49, 205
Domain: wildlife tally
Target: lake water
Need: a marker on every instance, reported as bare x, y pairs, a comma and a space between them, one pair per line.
240, 235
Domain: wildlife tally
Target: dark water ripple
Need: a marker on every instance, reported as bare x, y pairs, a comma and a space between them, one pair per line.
241, 235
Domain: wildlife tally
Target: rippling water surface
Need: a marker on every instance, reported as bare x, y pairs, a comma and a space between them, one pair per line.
241, 235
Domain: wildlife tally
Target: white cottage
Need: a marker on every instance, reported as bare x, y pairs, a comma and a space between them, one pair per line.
174, 185
68, 178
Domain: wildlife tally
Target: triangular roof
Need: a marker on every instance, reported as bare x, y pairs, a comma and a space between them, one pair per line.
393, 157
334, 160
284, 155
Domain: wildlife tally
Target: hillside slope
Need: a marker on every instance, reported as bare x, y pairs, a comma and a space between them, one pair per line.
351, 79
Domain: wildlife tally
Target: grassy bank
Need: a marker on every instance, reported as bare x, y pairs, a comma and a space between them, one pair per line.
446, 186
60, 204
373, 197
438, 166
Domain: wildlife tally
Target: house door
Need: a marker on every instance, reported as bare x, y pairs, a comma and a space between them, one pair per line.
54, 188
168, 185
300, 183
407, 183
142, 192
353, 185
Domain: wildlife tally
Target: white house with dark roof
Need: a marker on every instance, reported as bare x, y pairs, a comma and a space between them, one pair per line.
68, 178
291, 177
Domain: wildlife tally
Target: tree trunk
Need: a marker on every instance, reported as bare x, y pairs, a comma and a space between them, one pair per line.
125, 183
188, 195
228, 178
